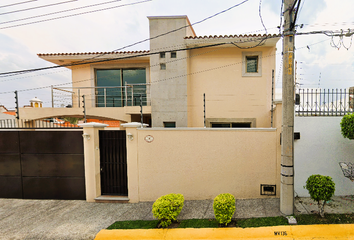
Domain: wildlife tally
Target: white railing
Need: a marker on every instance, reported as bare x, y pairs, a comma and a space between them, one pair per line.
128, 95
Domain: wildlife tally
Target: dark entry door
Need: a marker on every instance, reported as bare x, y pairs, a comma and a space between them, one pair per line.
113, 158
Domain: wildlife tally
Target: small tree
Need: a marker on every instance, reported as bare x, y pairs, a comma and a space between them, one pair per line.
321, 188
347, 126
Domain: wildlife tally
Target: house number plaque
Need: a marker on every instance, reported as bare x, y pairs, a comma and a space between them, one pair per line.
149, 138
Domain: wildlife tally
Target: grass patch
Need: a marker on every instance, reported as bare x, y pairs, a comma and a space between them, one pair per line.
138, 224
328, 219
261, 222
243, 223
199, 223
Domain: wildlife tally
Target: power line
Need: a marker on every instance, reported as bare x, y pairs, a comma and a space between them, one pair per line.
177, 29
43, 6
67, 10
77, 14
37, 88
13, 4
83, 61
281, 16
260, 15
157, 51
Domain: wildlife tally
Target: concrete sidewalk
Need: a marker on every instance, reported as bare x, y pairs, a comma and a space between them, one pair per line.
62, 219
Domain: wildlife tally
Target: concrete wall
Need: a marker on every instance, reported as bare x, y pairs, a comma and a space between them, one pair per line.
201, 163
169, 86
319, 151
230, 96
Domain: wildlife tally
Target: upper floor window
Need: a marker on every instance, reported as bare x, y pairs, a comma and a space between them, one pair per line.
251, 64
173, 54
162, 54
111, 83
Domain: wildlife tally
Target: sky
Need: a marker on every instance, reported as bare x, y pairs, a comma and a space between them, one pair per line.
111, 25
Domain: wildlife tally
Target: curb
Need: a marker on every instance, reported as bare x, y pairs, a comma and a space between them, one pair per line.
333, 231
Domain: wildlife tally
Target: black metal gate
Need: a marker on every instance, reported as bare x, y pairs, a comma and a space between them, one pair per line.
42, 165
113, 158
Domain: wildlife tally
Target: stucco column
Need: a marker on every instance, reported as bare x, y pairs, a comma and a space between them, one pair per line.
92, 159
132, 160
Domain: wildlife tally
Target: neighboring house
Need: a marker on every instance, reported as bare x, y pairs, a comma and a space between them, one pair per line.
3, 109
7, 120
234, 75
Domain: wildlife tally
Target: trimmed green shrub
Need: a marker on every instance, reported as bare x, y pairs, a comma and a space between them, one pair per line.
347, 126
321, 188
224, 208
167, 208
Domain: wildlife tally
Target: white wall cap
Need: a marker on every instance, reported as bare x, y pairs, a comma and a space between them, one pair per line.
168, 17
35, 99
134, 124
93, 124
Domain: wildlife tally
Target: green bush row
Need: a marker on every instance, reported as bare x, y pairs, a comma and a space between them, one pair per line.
168, 207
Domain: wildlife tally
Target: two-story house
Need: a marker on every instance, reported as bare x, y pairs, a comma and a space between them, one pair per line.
233, 72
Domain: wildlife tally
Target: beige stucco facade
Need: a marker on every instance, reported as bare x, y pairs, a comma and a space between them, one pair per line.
230, 97
180, 68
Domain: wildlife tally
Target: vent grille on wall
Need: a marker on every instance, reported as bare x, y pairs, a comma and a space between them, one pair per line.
269, 190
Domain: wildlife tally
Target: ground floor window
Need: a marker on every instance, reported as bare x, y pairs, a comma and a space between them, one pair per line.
231, 125
169, 124
230, 122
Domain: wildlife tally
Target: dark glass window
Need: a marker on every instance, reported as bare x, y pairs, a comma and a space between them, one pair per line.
163, 66
169, 124
162, 55
252, 64
107, 79
173, 54
231, 125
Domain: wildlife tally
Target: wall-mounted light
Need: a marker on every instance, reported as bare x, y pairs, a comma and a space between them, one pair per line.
86, 136
130, 136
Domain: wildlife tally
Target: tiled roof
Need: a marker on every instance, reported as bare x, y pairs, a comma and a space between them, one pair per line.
90, 53
232, 36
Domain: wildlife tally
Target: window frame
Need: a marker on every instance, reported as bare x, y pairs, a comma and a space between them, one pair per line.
162, 66
122, 82
210, 121
165, 124
244, 64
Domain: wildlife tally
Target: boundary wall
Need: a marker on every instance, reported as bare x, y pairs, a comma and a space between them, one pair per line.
201, 163
319, 150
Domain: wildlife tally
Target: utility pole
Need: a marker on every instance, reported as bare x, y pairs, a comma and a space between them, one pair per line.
287, 137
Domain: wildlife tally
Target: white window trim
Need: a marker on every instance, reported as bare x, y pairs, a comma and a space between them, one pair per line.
244, 63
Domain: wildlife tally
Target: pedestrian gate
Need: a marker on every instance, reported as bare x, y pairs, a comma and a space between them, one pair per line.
113, 162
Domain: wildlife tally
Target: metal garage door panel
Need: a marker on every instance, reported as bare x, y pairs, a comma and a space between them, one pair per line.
53, 165
9, 142
10, 165
54, 188
62, 142
10, 187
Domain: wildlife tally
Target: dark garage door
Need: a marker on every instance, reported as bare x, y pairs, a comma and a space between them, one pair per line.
42, 165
